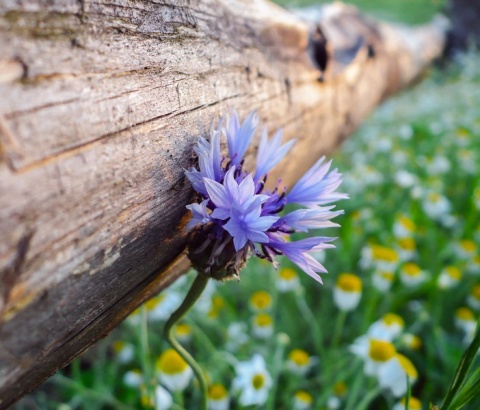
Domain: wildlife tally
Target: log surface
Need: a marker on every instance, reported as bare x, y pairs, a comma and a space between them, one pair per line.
101, 103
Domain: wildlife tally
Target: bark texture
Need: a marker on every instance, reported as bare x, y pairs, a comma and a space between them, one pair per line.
101, 102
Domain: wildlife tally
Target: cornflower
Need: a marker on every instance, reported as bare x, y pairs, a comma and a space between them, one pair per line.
235, 216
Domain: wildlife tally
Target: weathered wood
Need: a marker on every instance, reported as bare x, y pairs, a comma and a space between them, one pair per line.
101, 104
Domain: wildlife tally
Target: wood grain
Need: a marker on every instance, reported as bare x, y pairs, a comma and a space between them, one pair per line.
101, 104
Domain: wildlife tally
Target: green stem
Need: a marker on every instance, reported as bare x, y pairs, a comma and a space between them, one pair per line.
192, 296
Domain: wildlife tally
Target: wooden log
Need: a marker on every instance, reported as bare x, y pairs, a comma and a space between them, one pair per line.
101, 104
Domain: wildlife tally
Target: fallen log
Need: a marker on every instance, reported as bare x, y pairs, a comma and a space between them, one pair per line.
101, 104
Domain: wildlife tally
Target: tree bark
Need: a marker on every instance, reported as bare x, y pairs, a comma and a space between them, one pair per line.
101, 104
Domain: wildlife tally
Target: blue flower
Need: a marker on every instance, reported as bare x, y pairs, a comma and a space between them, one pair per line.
236, 217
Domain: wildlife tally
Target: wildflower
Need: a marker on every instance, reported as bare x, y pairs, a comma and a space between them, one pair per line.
260, 300
411, 341
253, 381
287, 280
411, 275
163, 399
218, 398
347, 291
383, 258
393, 375
405, 179
236, 217
183, 332
413, 404
262, 325
405, 248
436, 206
473, 299
162, 306
204, 303
236, 336
339, 391
474, 266
464, 319
302, 400
299, 362
218, 303
382, 280
465, 249
375, 353
133, 378
449, 277
124, 351
173, 371
390, 324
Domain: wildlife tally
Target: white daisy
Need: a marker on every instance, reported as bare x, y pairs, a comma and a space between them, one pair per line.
173, 371
252, 381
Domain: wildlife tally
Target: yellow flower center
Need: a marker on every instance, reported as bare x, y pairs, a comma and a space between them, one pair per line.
262, 320
218, 302
407, 223
464, 313
287, 274
381, 350
339, 389
299, 357
304, 397
411, 269
414, 342
152, 303
413, 403
383, 253
476, 292
407, 365
118, 345
170, 362
387, 275
453, 272
433, 197
261, 300
349, 283
407, 244
393, 319
217, 392
182, 329
258, 380
468, 246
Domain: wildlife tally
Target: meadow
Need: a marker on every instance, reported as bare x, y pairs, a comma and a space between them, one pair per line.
403, 284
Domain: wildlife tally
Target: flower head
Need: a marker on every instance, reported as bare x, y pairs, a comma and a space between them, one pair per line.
252, 381
347, 292
173, 370
236, 216
218, 398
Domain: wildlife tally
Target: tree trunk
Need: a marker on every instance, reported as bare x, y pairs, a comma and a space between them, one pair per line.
101, 104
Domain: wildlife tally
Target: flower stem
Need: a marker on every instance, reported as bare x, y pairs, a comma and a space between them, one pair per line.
192, 296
